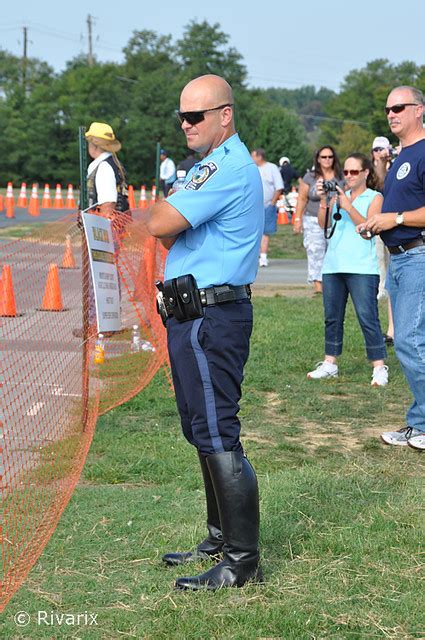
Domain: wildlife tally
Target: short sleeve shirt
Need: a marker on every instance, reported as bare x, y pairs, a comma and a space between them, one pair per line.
272, 181
404, 190
223, 202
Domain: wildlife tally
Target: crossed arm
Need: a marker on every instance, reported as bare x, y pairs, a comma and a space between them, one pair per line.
163, 221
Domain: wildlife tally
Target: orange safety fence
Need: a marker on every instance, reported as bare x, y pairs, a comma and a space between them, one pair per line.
51, 389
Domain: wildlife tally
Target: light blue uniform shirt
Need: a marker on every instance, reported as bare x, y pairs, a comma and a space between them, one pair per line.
223, 202
347, 251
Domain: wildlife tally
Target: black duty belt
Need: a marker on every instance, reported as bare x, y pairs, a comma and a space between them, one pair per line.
224, 293
182, 299
402, 248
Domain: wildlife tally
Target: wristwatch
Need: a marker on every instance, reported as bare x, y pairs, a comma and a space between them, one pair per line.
399, 218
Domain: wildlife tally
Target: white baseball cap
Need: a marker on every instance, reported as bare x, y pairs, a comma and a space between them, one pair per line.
381, 142
282, 160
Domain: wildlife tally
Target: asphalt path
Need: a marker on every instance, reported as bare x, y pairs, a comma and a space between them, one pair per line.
283, 272
22, 217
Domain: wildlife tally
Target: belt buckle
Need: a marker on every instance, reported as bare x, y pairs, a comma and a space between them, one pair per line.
401, 249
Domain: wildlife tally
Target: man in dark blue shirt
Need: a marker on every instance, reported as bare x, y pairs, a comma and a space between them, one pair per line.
402, 228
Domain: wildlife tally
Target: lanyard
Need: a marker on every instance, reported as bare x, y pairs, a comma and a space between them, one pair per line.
337, 216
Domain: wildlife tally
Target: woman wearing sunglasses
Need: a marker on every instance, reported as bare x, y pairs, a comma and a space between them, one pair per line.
326, 167
351, 267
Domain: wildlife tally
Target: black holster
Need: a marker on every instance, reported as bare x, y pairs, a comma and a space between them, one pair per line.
179, 297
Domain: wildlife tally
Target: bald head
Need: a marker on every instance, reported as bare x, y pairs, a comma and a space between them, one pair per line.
206, 92
213, 97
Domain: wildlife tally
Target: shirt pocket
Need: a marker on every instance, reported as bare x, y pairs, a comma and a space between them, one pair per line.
195, 238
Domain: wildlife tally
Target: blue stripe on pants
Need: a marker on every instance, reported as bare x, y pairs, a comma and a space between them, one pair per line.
207, 357
208, 387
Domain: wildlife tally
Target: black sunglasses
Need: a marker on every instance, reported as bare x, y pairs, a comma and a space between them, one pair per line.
195, 117
398, 108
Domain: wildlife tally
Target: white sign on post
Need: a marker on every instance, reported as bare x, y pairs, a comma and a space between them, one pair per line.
104, 272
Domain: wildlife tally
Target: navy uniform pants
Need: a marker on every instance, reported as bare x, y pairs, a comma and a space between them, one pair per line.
207, 360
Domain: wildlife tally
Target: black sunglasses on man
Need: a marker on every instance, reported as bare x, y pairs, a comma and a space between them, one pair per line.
195, 117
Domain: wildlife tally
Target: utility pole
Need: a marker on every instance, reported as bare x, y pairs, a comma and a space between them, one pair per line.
90, 38
25, 61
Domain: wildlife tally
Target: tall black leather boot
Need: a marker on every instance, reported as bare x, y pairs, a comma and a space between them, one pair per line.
236, 490
213, 543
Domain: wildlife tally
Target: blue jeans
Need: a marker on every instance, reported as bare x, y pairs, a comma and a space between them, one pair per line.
406, 286
363, 289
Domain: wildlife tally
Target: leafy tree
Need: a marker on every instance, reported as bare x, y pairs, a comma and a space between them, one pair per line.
307, 102
363, 95
353, 138
280, 133
204, 49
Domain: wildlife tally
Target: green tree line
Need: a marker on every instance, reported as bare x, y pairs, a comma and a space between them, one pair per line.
41, 110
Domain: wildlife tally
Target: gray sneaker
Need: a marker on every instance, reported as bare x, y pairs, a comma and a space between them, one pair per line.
323, 370
400, 437
417, 441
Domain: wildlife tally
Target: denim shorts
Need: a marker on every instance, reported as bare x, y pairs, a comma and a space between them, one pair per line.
270, 220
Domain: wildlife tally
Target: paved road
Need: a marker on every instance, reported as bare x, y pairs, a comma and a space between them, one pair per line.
289, 272
22, 217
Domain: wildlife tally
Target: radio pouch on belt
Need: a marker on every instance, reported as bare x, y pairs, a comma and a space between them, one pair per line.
182, 298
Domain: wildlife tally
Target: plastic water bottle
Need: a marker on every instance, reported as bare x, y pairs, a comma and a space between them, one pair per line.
181, 180
135, 339
99, 350
147, 346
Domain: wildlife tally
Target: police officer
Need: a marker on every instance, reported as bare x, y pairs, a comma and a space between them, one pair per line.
213, 229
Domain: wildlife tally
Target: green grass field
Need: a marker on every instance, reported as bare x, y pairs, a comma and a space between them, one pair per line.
342, 532
285, 244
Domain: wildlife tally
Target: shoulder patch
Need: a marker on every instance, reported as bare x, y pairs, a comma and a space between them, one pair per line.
201, 175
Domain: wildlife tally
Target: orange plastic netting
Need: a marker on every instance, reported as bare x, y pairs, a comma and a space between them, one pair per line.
51, 389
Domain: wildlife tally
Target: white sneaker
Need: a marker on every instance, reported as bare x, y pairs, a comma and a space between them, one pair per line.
323, 370
380, 376
417, 442
263, 262
400, 437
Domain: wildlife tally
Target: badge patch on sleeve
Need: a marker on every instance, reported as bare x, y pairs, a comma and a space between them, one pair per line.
201, 175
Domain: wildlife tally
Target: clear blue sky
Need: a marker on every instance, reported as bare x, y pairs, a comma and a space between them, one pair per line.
285, 44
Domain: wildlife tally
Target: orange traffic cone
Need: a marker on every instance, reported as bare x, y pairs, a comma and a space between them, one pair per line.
131, 198
153, 198
58, 198
10, 202
7, 299
22, 200
142, 202
9, 192
68, 260
282, 216
46, 203
70, 202
34, 208
52, 299
1, 202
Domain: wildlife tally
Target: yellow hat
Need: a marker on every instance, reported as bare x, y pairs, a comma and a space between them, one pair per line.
100, 131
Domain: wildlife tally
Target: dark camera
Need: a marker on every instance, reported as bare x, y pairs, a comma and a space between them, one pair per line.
329, 185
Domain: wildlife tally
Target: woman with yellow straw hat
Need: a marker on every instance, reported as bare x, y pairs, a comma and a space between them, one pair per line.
106, 178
